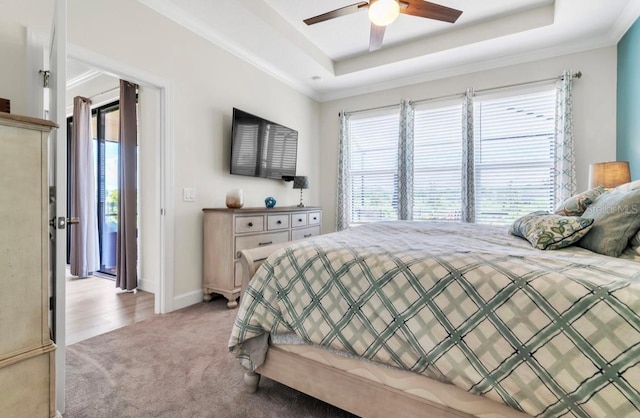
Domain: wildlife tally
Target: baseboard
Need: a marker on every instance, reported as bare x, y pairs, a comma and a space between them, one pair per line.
187, 299
147, 285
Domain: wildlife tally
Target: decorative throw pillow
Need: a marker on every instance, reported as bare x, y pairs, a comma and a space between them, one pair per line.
576, 205
547, 231
616, 220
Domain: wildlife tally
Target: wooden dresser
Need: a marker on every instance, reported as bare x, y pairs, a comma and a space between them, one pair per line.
228, 231
27, 363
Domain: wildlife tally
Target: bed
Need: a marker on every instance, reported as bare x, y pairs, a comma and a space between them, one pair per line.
443, 320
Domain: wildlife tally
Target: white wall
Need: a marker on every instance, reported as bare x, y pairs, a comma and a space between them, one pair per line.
208, 82
13, 82
594, 110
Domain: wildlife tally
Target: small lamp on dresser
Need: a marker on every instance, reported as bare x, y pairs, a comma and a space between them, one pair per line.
300, 182
609, 174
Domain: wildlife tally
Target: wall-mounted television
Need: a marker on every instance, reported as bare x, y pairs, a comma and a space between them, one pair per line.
261, 148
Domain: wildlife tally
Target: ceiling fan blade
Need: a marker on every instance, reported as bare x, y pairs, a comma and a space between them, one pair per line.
375, 39
347, 10
429, 10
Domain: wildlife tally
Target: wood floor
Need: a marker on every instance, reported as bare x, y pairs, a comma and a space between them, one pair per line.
95, 306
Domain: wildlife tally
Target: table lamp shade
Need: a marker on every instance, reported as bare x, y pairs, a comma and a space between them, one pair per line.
300, 182
609, 174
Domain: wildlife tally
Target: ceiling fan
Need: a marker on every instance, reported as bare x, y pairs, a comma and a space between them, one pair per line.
384, 12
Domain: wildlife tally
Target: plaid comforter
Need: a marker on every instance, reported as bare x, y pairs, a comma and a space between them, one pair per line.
550, 333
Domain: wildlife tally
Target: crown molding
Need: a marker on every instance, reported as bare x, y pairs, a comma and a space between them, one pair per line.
170, 11
626, 19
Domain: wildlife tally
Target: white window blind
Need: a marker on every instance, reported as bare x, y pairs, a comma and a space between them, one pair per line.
373, 164
514, 156
437, 190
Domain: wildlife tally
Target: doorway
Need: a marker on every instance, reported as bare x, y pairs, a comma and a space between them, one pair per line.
156, 229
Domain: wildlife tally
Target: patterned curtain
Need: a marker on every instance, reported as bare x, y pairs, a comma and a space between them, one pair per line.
565, 174
343, 200
468, 169
405, 161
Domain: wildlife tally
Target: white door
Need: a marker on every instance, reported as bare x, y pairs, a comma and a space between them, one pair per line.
58, 176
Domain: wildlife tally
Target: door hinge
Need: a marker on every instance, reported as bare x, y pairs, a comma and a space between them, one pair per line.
45, 78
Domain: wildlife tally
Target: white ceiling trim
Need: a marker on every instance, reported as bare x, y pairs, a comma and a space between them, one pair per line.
626, 19
168, 10
83, 78
468, 69
479, 32
277, 22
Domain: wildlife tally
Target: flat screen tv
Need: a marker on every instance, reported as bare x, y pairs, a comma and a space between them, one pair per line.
261, 148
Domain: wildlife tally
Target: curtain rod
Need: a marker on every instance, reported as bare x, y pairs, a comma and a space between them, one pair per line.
370, 109
577, 74
104, 92
574, 75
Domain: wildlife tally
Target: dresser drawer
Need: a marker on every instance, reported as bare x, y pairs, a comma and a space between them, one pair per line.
301, 233
314, 218
277, 222
249, 224
298, 219
260, 240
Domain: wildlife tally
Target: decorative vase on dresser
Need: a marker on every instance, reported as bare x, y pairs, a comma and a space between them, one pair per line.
229, 231
27, 363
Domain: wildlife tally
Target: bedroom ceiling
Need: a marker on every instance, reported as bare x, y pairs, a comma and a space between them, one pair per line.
330, 60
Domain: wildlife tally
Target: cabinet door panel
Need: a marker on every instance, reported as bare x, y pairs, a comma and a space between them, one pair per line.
260, 240
305, 232
298, 219
22, 241
315, 218
277, 222
249, 224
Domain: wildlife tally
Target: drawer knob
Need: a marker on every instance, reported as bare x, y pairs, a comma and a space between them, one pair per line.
299, 219
279, 222
250, 224
260, 244
308, 235
314, 218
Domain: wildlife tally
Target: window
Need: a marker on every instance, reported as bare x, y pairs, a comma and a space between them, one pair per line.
514, 156
374, 167
437, 163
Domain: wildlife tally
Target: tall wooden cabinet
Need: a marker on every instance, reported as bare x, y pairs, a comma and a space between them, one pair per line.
229, 231
27, 364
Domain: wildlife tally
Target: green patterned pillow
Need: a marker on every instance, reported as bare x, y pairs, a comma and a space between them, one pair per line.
576, 205
547, 231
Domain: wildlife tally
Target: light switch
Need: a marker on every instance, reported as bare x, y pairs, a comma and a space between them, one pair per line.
189, 194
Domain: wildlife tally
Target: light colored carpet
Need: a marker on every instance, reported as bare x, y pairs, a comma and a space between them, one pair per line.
175, 365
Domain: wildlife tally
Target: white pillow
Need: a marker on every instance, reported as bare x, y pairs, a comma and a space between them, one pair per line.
627, 187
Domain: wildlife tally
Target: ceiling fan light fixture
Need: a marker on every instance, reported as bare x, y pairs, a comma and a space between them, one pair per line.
383, 12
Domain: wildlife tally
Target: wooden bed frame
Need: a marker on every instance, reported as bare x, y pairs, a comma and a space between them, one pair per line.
353, 393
